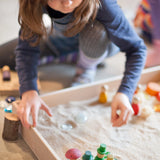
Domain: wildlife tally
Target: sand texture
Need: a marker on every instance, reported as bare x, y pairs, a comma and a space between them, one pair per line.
138, 140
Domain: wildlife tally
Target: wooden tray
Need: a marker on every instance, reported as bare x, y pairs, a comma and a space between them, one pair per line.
34, 139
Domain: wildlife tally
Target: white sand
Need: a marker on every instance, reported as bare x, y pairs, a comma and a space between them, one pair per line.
138, 140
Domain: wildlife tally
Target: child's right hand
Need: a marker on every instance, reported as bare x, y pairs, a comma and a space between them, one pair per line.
30, 104
121, 102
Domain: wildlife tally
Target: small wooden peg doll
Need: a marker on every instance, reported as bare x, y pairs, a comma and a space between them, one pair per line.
135, 104
103, 94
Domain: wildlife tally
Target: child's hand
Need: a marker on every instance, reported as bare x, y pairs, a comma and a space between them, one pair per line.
30, 104
120, 102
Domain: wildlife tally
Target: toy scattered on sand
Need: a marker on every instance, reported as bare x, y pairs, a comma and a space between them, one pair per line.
103, 94
87, 156
135, 104
73, 154
102, 154
153, 88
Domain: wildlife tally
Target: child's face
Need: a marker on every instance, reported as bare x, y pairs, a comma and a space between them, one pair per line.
64, 6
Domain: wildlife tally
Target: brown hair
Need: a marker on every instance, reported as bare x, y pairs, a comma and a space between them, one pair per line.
32, 26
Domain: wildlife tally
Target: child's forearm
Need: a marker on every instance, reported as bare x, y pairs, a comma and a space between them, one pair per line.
26, 65
123, 35
134, 65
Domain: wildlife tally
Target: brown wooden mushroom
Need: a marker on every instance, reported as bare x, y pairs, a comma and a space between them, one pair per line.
73, 154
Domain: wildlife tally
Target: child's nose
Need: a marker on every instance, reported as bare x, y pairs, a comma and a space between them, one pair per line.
67, 3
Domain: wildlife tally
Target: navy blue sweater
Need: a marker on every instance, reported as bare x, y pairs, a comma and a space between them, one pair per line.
120, 32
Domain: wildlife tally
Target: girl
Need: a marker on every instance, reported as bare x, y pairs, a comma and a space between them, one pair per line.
95, 29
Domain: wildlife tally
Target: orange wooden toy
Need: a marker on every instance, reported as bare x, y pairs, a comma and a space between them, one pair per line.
153, 88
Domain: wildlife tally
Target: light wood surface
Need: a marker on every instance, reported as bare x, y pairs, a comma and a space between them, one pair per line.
11, 88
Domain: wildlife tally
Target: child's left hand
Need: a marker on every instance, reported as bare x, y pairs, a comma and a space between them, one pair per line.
121, 102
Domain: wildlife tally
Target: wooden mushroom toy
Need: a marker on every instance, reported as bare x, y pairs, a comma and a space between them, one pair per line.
73, 154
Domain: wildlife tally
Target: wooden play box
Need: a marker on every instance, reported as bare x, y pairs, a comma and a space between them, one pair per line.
35, 140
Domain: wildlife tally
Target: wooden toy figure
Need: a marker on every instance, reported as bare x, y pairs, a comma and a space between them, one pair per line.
103, 94
153, 88
135, 104
101, 152
73, 154
146, 111
87, 156
6, 73
138, 88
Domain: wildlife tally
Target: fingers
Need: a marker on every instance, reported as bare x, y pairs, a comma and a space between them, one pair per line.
20, 113
123, 118
23, 114
120, 103
26, 117
114, 115
34, 112
24, 111
46, 108
128, 117
30, 105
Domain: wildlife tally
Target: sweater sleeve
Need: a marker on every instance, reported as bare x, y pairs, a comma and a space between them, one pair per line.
123, 35
26, 65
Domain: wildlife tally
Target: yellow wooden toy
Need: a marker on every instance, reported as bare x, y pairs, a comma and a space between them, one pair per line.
103, 94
